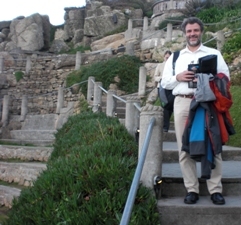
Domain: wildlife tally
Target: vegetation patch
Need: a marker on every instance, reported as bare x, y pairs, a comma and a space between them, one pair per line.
88, 178
122, 71
18, 75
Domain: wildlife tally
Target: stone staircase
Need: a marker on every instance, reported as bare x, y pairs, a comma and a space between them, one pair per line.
19, 167
171, 205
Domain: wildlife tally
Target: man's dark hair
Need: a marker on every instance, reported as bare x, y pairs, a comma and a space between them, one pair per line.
191, 20
167, 52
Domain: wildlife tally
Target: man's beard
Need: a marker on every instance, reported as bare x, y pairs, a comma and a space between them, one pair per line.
194, 43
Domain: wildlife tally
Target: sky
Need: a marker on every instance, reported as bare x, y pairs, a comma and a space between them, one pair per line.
11, 9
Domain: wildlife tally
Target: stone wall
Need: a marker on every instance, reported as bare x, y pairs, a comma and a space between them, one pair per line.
43, 75
40, 84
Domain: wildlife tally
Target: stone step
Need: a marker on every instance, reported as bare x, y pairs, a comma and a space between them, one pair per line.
43, 143
25, 153
172, 184
173, 211
7, 194
169, 136
170, 152
40, 122
21, 173
33, 134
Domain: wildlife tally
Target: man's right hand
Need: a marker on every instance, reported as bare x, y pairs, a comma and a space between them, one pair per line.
185, 76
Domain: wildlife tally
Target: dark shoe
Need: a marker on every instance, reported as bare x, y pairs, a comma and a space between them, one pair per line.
191, 198
218, 199
165, 130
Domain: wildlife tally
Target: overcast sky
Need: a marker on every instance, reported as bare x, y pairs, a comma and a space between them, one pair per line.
11, 9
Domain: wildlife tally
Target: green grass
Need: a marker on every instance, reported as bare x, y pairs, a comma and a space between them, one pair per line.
235, 110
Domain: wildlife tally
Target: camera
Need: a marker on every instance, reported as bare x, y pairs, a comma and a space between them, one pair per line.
195, 69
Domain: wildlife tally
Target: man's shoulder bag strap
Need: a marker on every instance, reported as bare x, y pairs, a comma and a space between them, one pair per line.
175, 56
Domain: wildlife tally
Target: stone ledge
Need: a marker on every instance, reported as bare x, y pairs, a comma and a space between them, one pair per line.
7, 194
21, 173
25, 153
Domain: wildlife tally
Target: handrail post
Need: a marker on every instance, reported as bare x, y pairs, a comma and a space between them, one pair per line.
97, 97
153, 162
132, 115
28, 65
90, 91
78, 60
1, 64
60, 101
220, 40
5, 113
169, 32
111, 103
142, 81
24, 108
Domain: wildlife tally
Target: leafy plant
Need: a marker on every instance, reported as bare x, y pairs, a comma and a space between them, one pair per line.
122, 71
18, 75
233, 44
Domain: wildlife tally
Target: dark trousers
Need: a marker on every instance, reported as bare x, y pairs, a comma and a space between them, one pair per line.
166, 119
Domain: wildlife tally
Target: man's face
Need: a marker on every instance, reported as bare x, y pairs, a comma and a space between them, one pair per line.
166, 57
193, 34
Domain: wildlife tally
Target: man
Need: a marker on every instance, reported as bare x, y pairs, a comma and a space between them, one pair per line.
193, 31
158, 77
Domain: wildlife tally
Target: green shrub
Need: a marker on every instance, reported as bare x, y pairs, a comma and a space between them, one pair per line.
235, 113
18, 75
125, 68
88, 178
232, 44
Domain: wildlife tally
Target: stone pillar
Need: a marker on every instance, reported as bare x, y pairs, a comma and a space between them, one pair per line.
142, 81
97, 97
220, 40
169, 32
1, 64
78, 60
171, 5
90, 91
28, 64
153, 163
132, 115
128, 33
24, 108
60, 101
5, 110
145, 24
130, 24
111, 103
130, 46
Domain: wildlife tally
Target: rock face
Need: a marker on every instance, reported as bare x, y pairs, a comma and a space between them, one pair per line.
103, 20
31, 33
74, 21
58, 46
82, 26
